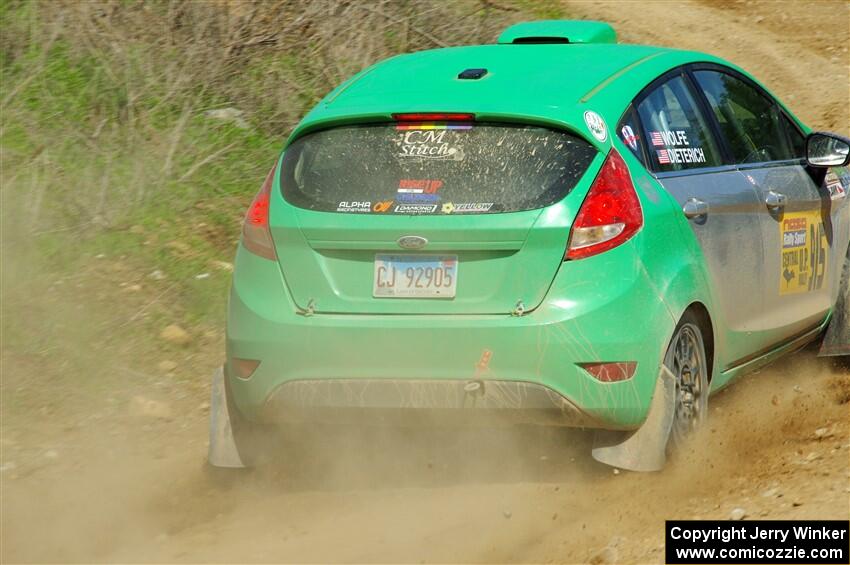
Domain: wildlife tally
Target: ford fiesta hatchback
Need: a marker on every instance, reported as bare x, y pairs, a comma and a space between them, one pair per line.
555, 228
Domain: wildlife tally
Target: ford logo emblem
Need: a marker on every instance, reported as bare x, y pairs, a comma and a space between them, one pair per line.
412, 242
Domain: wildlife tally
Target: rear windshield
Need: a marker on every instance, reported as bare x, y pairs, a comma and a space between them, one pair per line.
433, 168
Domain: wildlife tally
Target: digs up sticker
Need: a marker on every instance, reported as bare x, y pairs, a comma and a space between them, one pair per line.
804, 252
596, 125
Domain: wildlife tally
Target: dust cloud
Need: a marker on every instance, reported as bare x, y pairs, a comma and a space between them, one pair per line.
102, 450
97, 477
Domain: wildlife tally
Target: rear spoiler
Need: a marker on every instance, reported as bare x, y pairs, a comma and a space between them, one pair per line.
558, 31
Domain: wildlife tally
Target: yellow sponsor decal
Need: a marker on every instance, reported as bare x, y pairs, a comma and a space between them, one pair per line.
804, 252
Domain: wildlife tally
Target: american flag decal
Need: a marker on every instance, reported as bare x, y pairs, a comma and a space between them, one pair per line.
663, 156
656, 138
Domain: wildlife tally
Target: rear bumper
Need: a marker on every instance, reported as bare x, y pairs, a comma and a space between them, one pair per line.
441, 400
527, 364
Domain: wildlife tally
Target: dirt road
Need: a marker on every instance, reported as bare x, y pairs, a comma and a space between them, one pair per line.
798, 50
121, 484
104, 429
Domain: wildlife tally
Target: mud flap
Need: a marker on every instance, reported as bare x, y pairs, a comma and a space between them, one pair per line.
836, 340
645, 448
222, 451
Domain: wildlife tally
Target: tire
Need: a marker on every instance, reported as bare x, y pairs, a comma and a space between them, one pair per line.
686, 359
838, 331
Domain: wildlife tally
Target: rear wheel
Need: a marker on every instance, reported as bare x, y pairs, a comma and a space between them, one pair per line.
686, 359
834, 344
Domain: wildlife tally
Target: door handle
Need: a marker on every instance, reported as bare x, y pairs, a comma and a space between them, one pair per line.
695, 208
775, 200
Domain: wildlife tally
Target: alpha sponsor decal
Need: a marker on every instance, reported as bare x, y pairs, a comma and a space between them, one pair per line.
467, 208
804, 252
833, 184
354, 206
596, 125
629, 137
382, 207
415, 208
429, 141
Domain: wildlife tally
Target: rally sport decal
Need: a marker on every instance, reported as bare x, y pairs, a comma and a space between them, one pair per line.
804, 252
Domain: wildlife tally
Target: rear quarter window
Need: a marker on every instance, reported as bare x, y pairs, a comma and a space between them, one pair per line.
433, 168
676, 132
628, 131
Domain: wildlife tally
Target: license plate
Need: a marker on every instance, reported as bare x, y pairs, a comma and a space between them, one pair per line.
415, 276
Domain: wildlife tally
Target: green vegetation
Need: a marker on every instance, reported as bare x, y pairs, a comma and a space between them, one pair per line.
107, 147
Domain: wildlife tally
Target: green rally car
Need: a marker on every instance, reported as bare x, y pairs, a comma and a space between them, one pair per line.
555, 228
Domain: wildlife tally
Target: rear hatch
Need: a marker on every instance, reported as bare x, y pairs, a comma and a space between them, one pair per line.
426, 217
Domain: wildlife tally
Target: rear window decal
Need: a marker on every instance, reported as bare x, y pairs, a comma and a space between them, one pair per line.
418, 191
427, 186
415, 208
505, 167
354, 206
467, 208
415, 197
629, 137
804, 252
681, 155
429, 141
596, 125
673, 138
676, 147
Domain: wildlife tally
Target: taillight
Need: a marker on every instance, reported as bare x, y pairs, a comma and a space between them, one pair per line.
610, 213
256, 236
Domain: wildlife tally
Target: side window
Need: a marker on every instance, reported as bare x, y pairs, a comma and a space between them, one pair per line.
797, 139
750, 122
630, 134
676, 131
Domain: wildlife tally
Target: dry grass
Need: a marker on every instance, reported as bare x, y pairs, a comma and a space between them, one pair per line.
106, 143
103, 102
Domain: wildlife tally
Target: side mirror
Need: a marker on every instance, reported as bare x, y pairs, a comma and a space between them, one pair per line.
827, 150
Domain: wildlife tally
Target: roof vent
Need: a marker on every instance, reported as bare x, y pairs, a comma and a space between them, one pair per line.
472, 74
558, 31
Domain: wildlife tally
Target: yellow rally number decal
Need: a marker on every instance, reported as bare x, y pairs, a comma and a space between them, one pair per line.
804, 252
